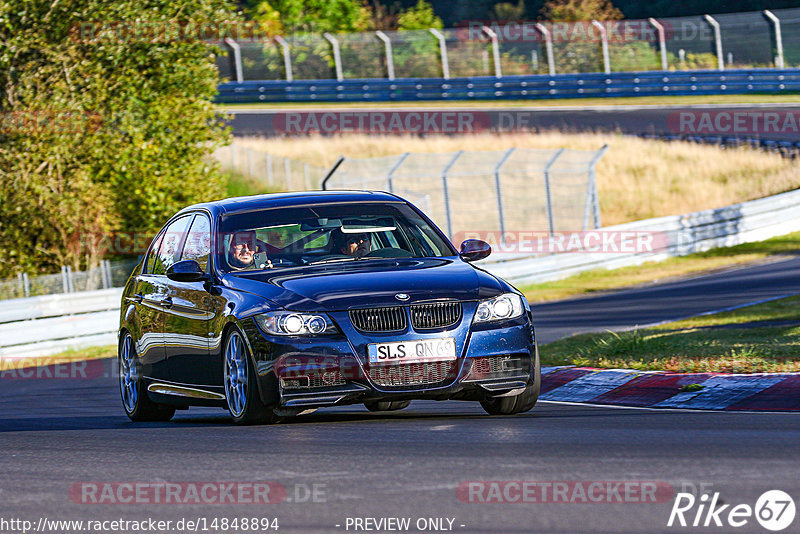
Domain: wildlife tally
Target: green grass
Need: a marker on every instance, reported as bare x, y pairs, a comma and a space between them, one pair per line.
71, 355
600, 280
619, 101
691, 346
240, 185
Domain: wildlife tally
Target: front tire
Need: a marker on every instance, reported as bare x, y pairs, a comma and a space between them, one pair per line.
138, 406
241, 387
521, 403
386, 406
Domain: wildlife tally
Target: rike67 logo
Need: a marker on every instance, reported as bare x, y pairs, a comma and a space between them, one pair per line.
774, 510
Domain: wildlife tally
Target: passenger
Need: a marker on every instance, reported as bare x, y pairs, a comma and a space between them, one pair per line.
356, 245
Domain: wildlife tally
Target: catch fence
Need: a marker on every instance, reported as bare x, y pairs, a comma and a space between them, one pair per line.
277, 173
748, 40
107, 275
545, 190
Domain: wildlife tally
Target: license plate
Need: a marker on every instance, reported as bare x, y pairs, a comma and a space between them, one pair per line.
424, 350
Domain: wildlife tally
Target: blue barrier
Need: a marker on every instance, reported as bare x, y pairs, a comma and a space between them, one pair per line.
621, 84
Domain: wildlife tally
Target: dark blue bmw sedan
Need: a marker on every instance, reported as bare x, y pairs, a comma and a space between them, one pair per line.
273, 305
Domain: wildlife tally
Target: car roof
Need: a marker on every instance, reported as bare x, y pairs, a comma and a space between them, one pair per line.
279, 200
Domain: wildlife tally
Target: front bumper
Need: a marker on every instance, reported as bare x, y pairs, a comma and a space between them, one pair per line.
317, 372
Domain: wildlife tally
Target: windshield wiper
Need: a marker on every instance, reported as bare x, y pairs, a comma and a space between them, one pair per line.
342, 260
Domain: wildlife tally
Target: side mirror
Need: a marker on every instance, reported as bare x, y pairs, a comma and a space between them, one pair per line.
474, 250
185, 271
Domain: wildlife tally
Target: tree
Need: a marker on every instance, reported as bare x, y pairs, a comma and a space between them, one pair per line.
576, 10
315, 16
108, 123
506, 11
419, 17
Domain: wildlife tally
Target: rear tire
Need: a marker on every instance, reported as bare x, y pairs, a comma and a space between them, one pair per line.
241, 384
138, 406
521, 403
386, 406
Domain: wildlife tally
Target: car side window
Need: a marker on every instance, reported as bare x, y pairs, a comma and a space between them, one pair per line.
168, 251
198, 241
151, 256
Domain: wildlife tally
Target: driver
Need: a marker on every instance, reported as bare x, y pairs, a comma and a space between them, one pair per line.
355, 245
242, 251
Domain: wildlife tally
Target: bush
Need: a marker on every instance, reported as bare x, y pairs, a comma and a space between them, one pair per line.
107, 123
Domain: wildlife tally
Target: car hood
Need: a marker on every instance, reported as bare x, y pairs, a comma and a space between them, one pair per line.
341, 286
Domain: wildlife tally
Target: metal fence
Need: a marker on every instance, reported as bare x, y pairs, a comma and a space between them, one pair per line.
276, 172
737, 40
468, 191
107, 275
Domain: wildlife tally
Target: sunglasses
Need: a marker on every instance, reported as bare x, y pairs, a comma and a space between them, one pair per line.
357, 239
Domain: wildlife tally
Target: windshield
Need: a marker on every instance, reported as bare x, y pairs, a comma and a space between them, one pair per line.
291, 237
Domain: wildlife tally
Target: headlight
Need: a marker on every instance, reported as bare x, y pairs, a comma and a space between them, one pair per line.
506, 306
295, 324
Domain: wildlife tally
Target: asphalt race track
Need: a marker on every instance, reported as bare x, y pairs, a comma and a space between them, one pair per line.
628, 119
669, 301
59, 436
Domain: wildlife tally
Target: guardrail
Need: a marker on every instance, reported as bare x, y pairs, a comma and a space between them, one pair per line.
618, 84
680, 235
40, 326
46, 325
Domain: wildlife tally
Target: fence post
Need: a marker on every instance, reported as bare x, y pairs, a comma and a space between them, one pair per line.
107, 280
548, 41
778, 38
233, 156
547, 193
662, 42
21, 284
337, 56
443, 52
287, 169
717, 40
604, 38
250, 165
307, 177
103, 279
390, 174
287, 57
237, 58
269, 169
499, 191
498, 71
387, 45
64, 281
592, 199
26, 284
447, 193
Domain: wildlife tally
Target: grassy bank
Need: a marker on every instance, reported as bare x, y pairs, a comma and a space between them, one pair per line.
760, 338
72, 355
720, 258
662, 178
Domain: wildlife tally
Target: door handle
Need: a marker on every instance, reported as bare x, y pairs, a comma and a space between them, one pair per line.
137, 298
166, 303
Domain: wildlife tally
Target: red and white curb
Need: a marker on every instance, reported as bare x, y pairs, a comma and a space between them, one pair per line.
656, 389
